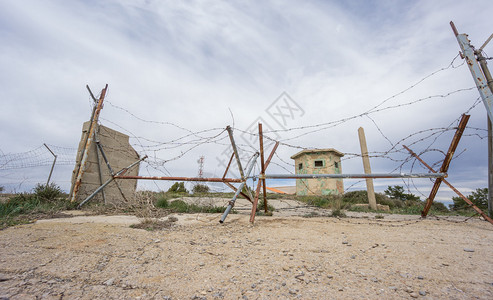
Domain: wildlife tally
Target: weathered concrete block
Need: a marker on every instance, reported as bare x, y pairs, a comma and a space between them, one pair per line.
119, 153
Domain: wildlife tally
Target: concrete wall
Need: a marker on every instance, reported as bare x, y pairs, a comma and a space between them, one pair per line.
319, 186
120, 154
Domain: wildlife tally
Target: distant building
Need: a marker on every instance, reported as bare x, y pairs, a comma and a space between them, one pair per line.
318, 161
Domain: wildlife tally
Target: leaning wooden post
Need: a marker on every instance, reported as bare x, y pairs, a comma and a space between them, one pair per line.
366, 165
90, 134
262, 165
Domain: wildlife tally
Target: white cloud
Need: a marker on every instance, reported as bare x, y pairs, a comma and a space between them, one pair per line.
190, 62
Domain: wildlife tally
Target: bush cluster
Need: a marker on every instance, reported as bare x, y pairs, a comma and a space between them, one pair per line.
180, 206
48, 193
43, 200
394, 197
178, 187
200, 189
478, 198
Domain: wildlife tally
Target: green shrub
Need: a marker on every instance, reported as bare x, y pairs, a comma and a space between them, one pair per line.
22, 208
48, 193
200, 189
347, 201
178, 187
360, 208
179, 206
338, 213
212, 209
312, 214
438, 207
261, 206
162, 203
153, 224
18, 204
361, 197
42, 201
275, 196
478, 198
399, 203
397, 192
355, 197
328, 201
411, 208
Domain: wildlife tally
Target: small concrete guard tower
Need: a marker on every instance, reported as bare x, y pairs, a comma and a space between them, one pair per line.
318, 161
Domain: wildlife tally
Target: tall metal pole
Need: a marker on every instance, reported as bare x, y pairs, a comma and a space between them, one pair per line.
490, 170
479, 78
348, 176
484, 83
235, 151
489, 81
232, 202
98, 161
52, 166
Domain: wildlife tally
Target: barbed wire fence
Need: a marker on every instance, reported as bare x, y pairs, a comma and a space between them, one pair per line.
161, 153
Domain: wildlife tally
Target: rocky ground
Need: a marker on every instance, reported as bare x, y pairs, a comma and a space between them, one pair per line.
89, 257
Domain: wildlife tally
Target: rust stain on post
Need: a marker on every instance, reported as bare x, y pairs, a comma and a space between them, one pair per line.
454, 29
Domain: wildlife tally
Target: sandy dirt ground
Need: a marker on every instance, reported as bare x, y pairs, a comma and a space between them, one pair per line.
280, 257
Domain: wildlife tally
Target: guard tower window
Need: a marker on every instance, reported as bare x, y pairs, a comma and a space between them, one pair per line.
300, 166
319, 163
336, 165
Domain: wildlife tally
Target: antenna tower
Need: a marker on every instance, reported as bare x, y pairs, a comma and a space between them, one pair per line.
200, 161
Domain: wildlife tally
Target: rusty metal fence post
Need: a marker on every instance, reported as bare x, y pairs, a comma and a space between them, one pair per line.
232, 202
90, 134
446, 163
52, 166
477, 209
122, 171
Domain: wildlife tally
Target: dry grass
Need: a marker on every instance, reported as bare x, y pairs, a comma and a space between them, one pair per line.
155, 224
140, 204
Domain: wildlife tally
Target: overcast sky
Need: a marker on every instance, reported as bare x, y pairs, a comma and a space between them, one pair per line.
202, 65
